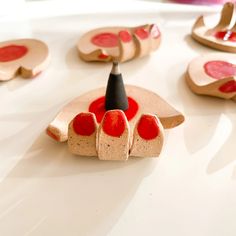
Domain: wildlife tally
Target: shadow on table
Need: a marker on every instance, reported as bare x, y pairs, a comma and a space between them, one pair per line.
203, 115
80, 193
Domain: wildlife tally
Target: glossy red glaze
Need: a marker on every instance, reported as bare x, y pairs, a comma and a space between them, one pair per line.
125, 36
12, 52
226, 35
103, 56
84, 124
220, 69
52, 135
155, 32
148, 127
142, 33
106, 40
114, 123
228, 87
98, 108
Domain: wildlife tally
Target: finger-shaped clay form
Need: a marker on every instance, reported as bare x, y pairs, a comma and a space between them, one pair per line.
214, 75
118, 43
148, 137
221, 37
141, 101
82, 135
25, 57
113, 136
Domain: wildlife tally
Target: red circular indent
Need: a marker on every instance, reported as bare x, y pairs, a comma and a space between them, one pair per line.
228, 87
220, 69
98, 108
83, 124
148, 127
226, 35
114, 123
12, 52
106, 40
142, 33
125, 36
155, 32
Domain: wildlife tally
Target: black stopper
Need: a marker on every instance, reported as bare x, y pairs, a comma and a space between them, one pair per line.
115, 93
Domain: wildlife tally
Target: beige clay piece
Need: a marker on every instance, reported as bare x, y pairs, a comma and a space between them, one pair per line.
218, 37
148, 102
214, 75
118, 43
114, 146
149, 145
82, 136
25, 57
113, 140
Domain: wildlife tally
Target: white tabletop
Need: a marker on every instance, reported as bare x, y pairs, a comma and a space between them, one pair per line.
44, 190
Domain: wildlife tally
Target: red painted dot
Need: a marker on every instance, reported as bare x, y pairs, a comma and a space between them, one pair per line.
125, 36
103, 56
220, 69
142, 33
12, 52
98, 108
148, 127
84, 124
114, 123
226, 35
228, 87
155, 32
106, 40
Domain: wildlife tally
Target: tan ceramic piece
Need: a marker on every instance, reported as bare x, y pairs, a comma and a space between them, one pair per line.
32, 63
205, 36
82, 145
201, 82
147, 148
148, 101
113, 148
125, 50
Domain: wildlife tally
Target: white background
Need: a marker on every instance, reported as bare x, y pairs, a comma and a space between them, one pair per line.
44, 190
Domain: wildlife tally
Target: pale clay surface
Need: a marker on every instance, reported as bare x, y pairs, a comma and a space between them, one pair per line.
36, 59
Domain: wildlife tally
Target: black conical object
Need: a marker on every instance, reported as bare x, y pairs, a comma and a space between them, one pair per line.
115, 93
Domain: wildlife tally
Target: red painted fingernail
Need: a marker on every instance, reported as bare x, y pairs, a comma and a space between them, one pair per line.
103, 56
125, 36
142, 33
114, 123
84, 124
228, 87
52, 135
148, 127
155, 32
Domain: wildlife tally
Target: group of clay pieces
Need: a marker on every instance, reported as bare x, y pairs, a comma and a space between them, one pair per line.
120, 120
127, 121
214, 74
112, 139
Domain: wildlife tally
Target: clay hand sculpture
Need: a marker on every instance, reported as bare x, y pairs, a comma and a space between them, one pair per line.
128, 120
25, 57
119, 43
213, 75
221, 37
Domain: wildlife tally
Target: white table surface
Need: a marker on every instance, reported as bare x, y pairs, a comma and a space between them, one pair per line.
44, 190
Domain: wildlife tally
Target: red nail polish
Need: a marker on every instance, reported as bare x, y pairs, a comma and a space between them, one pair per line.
142, 33
84, 124
114, 123
125, 36
148, 127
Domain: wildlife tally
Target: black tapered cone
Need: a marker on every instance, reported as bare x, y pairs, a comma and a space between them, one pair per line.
115, 94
